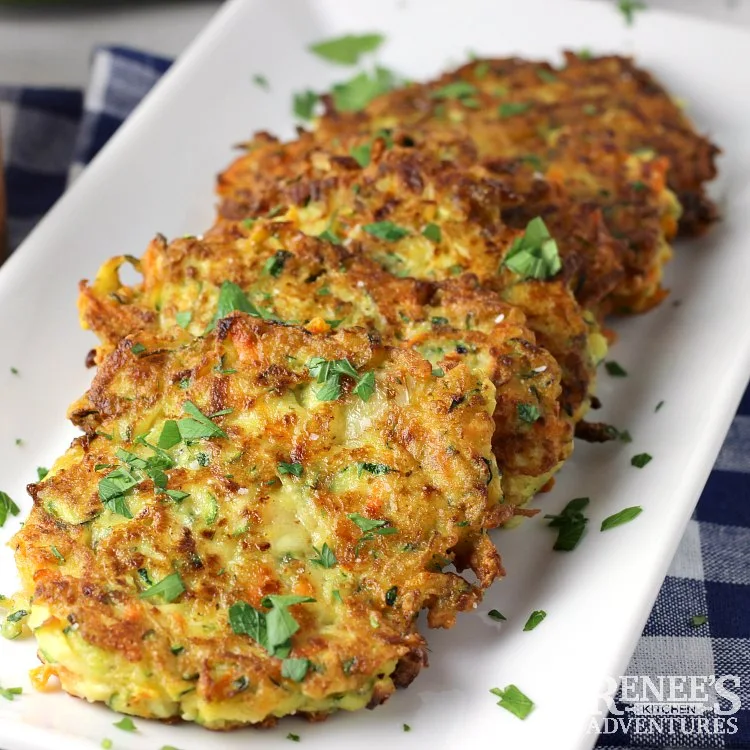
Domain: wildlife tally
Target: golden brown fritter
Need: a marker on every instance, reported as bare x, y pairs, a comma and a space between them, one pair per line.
273, 174
284, 274
596, 126
421, 190
231, 543
642, 116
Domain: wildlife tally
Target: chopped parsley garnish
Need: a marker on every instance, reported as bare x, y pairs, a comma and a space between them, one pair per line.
391, 596
232, 298
329, 372
513, 700
361, 154
169, 589
386, 230
457, 90
329, 235
533, 161
570, 523
355, 94
697, 620
261, 81
197, 425
295, 469
272, 630
126, 724
370, 528
304, 104
153, 467
511, 109
493, 614
183, 318
325, 557
547, 76
113, 488
534, 619
365, 386
7, 506
589, 109
432, 232
293, 737
624, 435
624, 516
528, 412
56, 552
481, 69
346, 50
137, 349
628, 9
14, 371
438, 372
640, 460
370, 524
535, 255
295, 669
377, 469
170, 435
222, 369
10, 693
659, 405
406, 728
615, 369
275, 264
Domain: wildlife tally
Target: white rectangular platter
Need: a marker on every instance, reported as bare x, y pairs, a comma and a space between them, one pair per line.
157, 175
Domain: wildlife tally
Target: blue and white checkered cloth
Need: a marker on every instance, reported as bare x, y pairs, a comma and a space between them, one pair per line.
709, 575
49, 134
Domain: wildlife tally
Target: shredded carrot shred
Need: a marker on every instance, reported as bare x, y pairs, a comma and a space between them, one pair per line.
318, 325
40, 677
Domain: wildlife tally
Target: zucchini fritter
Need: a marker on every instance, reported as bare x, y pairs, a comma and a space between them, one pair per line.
610, 94
597, 126
244, 532
388, 208
283, 274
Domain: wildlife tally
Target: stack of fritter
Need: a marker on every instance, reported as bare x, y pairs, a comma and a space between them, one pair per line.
379, 352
